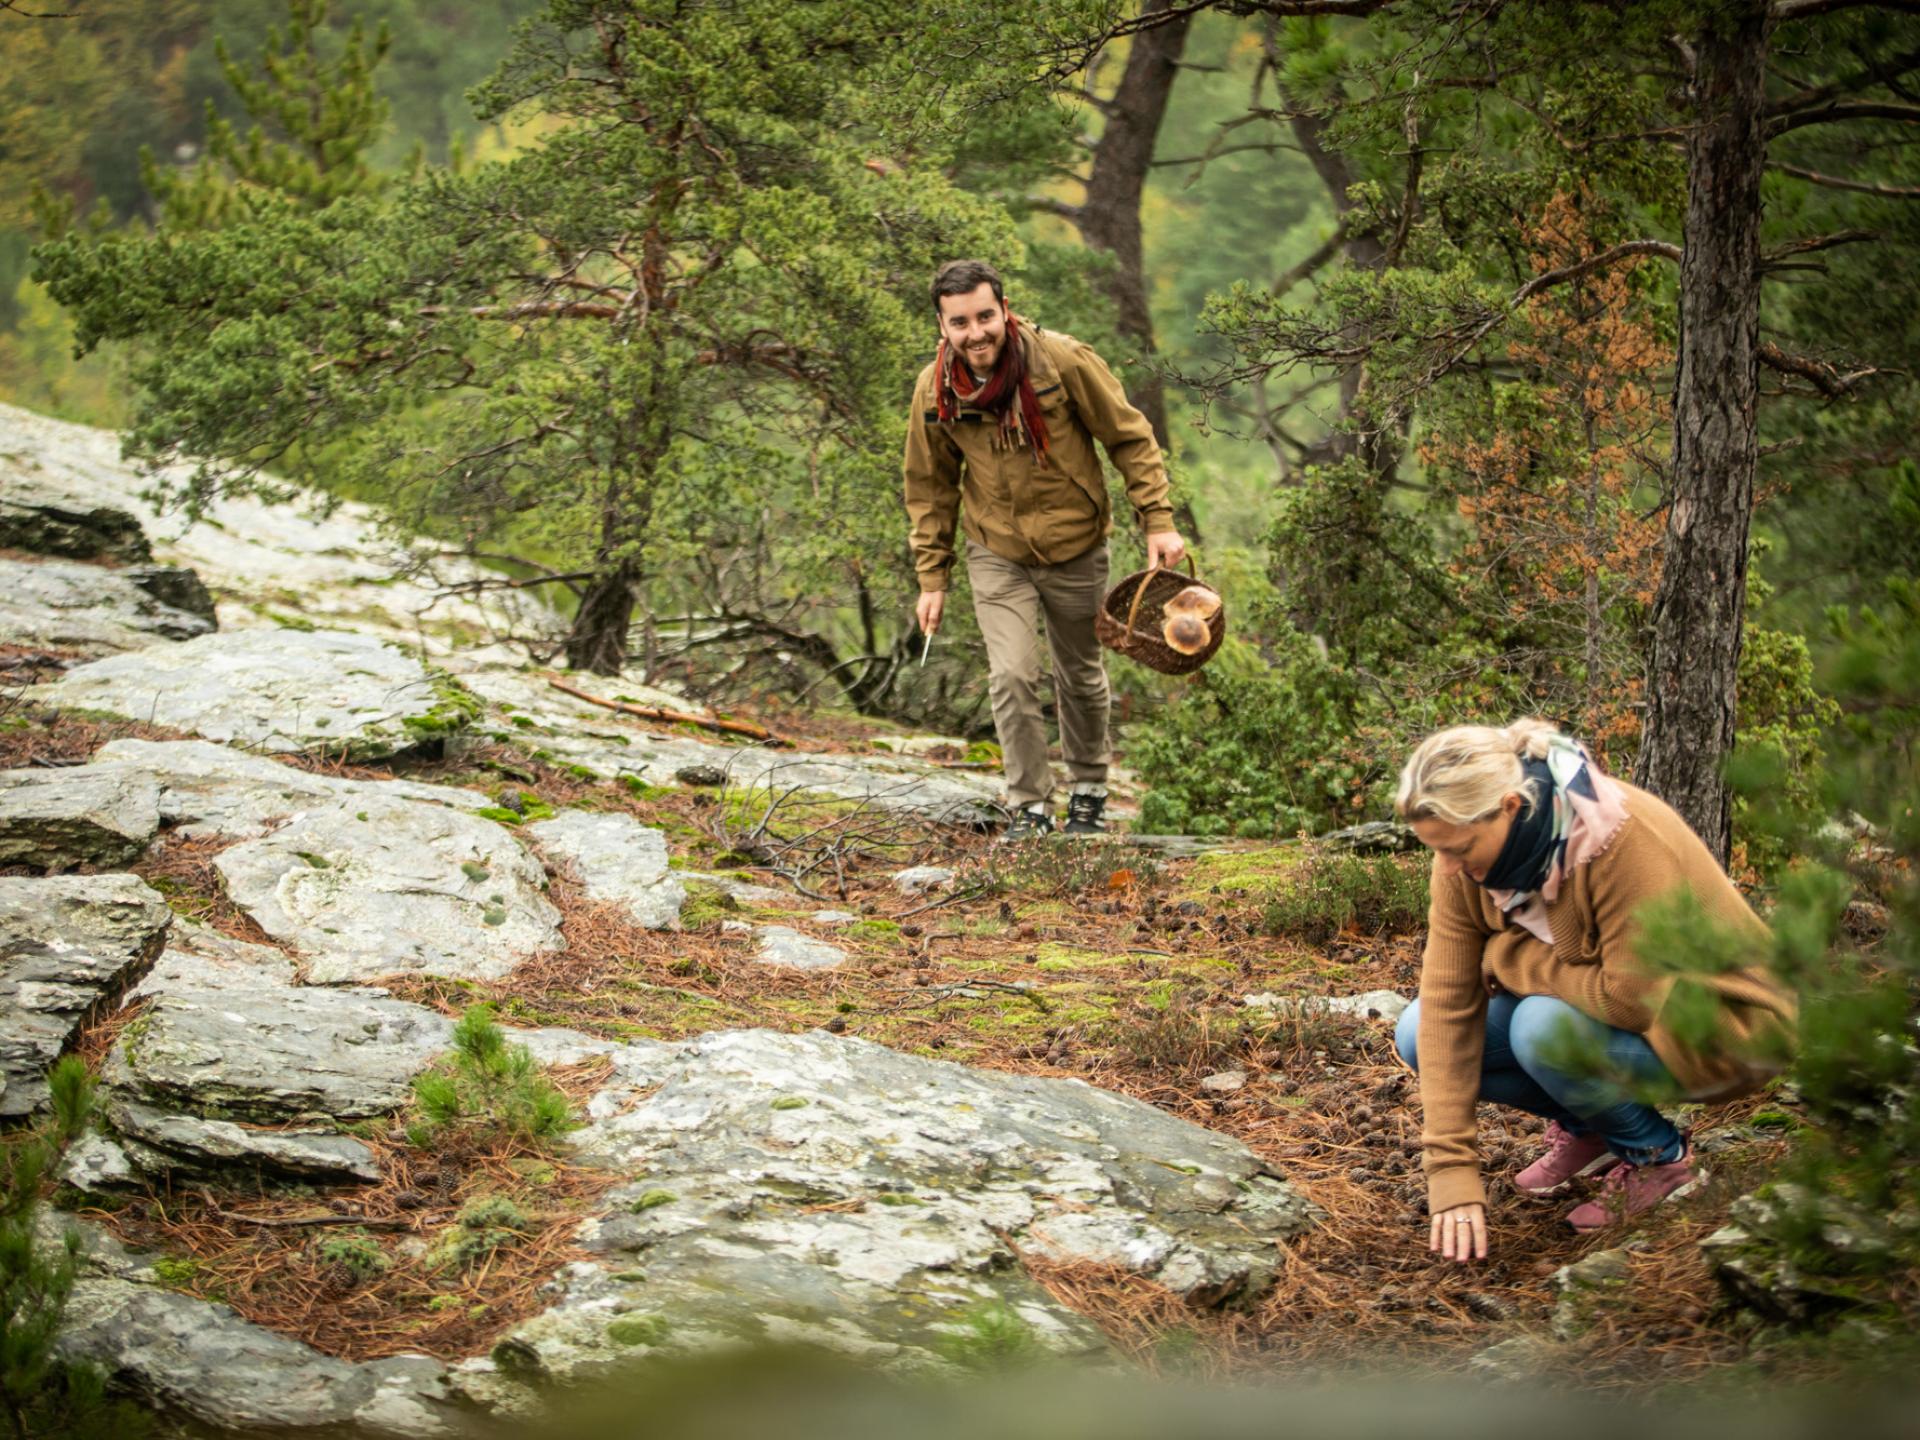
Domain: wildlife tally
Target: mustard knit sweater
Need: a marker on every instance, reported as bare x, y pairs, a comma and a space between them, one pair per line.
1593, 966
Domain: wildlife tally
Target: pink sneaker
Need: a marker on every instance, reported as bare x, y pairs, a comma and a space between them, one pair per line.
1629, 1190
1567, 1155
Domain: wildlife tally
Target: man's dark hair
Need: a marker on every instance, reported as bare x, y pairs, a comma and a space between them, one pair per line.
962, 277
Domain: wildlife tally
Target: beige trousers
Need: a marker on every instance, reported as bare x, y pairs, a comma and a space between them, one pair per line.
1010, 600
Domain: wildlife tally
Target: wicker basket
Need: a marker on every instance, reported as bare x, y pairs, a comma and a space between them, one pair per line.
1130, 619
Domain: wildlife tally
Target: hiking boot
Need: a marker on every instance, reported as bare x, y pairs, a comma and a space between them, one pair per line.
1084, 815
1567, 1155
1032, 823
1629, 1190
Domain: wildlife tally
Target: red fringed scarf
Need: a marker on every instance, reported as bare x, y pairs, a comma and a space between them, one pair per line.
1018, 423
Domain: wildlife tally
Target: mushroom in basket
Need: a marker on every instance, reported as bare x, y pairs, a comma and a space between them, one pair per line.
1184, 619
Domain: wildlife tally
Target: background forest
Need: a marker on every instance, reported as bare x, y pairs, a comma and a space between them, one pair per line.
1429, 496
1512, 357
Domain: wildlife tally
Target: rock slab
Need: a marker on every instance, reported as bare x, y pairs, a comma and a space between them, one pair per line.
376, 886
86, 608
618, 860
46, 520
199, 1357
827, 1190
786, 947
56, 819
323, 691
208, 789
274, 1053
67, 945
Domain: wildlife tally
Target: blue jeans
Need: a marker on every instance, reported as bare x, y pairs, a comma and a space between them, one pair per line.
1528, 1064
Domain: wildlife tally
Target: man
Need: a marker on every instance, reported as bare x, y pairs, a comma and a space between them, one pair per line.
1001, 434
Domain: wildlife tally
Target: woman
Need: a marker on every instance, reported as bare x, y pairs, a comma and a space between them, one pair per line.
1540, 863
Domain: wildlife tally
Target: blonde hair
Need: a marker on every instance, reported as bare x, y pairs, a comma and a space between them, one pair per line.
1461, 775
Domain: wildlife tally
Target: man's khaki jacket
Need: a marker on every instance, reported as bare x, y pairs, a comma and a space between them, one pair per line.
1033, 512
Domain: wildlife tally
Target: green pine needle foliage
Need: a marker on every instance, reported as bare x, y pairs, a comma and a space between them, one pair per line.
487, 1089
39, 1395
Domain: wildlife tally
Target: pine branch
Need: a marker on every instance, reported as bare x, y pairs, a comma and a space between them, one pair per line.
1862, 187
1824, 377
1837, 111
1786, 10
1812, 243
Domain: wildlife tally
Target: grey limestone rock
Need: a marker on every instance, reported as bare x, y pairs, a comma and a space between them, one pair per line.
1580, 1283
919, 879
1520, 1360
743, 891
67, 946
1758, 1259
785, 946
310, 553
207, 1144
46, 520
198, 957
94, 1163
1376, 837
198, 1357
56, 819
618, 860
274, 1053
376, 886
1386, 1005
86, 608
324, 691
1176, 847
208, 789
611, 745
177, 586
815, 1188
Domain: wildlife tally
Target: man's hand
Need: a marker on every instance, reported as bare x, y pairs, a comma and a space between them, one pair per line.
1165, 550
927, 613
1460, 1233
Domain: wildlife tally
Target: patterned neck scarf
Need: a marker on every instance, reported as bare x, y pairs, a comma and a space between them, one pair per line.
954, 385
1570, 825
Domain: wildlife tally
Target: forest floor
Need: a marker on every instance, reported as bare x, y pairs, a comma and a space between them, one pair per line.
1093, 960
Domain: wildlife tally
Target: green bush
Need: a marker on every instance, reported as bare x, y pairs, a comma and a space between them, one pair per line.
40, 1395
1846, 1205
1256, 749
1329, 890
488, 1089
992, 1336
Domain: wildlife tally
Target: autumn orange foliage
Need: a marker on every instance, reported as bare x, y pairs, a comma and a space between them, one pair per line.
1558, 486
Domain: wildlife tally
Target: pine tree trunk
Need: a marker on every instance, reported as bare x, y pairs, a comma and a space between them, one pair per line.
1109, 217
598, 640
1689, 727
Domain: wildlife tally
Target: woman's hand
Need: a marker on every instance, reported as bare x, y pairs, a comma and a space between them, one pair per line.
1461, 1233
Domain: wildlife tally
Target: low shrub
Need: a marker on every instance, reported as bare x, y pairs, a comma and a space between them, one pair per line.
1257, 749
488, 1089
1328, 891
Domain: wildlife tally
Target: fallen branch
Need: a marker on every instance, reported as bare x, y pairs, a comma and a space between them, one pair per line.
294, 1222
971, 893
671, 717
969, 989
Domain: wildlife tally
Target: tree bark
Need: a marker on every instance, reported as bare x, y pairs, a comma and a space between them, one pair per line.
1109, 216
1698, 610
598, 640
1362, 250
